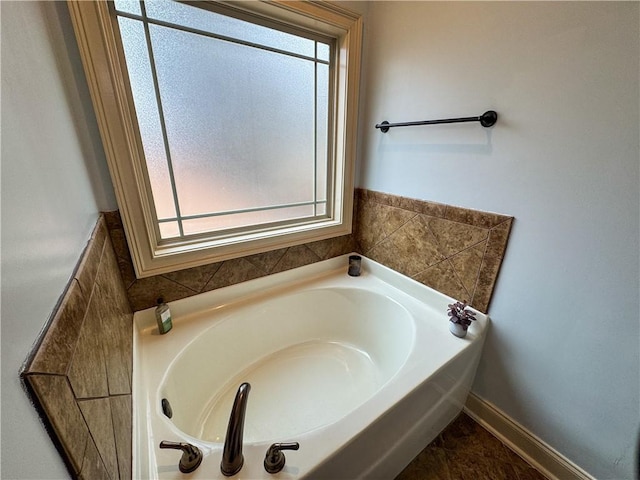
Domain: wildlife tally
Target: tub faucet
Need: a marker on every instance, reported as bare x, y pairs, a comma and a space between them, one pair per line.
191, 455
232, 458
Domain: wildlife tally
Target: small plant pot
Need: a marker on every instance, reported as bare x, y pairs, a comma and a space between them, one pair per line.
457, 329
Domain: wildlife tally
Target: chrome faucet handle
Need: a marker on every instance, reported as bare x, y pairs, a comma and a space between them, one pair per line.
191, 455
274, 460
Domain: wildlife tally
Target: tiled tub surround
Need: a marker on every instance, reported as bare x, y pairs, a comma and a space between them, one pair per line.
144, 292
455, 250
80, 373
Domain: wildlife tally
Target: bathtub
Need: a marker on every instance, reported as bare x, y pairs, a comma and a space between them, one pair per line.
361, 371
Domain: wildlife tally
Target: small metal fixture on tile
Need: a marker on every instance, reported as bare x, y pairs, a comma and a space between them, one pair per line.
355, 262
487, 119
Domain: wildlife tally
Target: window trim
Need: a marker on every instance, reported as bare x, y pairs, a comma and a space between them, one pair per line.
104, 64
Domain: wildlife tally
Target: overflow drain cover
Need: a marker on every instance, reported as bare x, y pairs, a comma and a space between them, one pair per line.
166, 408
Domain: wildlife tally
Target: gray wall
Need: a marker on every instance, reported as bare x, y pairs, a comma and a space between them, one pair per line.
52, 190
562, 358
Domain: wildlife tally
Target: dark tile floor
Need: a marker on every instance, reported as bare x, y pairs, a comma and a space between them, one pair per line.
466, 451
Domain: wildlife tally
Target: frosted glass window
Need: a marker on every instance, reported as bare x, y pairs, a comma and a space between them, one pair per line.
233, 117
141, 78
169, 230
129, 6
239, 220
323, 51
225, 26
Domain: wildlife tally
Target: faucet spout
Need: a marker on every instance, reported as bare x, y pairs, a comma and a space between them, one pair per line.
232, 458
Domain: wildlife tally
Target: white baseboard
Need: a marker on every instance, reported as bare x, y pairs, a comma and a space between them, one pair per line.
533, 450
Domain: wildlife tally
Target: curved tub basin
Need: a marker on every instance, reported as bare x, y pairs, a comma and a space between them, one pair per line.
333, 347
361, 371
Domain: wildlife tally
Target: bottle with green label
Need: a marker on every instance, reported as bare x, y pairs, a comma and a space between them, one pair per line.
163, 317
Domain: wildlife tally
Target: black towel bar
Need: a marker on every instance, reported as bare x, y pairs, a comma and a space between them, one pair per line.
487, 119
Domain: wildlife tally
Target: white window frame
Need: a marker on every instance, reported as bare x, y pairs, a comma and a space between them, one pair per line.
105, 67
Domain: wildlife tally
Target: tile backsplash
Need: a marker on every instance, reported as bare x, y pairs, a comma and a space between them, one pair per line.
144, 292
79, 375
455, 250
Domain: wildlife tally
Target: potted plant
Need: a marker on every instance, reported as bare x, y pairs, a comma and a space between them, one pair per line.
460, 318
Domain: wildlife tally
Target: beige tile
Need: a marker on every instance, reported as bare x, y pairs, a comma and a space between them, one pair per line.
431, 208
59, 341
97, 414
120, 245
92, 466
466, 434
412, 204
405, 203
443, 278
377, 216
88, 268
121, 414
115, 232
476, 218
322, 247
360, 195
125, 263
395, 218
295, 257
267, 260
379, 197
127, 272
113, 220
194, 278
56, 398
430, 464
466, 265
457, 432
113, 304
367, 223
453, 237
396, 201
145, 292
455, 229
117, 338
409, 250
465, 466
110, 280
233, 271
384, 255
498, 238
333, 247
87, 371
486, 282
465, 450
376, 222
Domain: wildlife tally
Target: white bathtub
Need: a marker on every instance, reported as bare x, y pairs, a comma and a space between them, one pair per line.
361, 371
